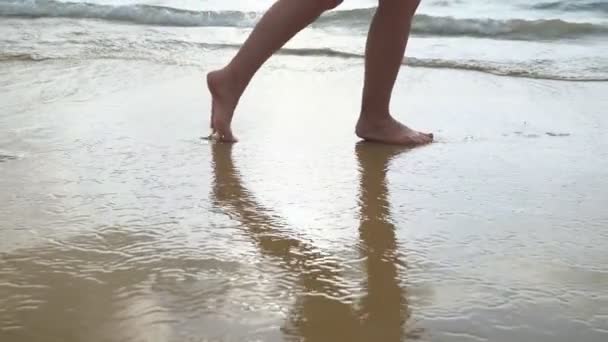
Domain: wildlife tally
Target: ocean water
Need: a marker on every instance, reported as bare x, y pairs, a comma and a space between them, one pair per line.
544, 39
117, 223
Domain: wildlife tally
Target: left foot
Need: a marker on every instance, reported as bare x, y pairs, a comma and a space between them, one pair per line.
387, 130
225, 96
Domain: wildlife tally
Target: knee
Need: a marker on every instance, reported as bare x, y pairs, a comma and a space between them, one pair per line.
329, 4
407, 6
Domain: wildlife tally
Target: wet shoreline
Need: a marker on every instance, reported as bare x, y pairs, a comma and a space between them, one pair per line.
119, 223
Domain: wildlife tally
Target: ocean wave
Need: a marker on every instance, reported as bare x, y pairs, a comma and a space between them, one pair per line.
488, 67
572, 6
512, 28
484, 28
499, 69
351, 19
8, 57
136, 14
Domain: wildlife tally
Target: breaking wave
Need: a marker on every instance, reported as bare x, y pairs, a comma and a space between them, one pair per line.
572, 6
352, 19
485, 28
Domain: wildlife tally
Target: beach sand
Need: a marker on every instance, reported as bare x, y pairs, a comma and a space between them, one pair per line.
120, 224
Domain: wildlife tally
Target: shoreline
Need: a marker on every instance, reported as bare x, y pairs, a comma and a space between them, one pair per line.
116, 208
518, 110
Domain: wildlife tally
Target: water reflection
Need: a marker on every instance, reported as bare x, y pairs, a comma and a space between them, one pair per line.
150, 281
324, 309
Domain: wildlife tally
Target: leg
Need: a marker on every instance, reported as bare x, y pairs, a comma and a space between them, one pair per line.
282, 21
387, 39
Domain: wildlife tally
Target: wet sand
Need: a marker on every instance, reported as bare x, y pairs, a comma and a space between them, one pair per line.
120, 224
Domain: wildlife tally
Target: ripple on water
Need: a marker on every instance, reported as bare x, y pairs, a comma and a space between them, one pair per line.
169, 261
5, 158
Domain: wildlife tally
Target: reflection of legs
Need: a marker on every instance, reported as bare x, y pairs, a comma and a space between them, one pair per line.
384, 303
319, 312
282, 21
387, 39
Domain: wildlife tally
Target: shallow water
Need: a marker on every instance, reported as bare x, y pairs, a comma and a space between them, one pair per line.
119, 224
537, 39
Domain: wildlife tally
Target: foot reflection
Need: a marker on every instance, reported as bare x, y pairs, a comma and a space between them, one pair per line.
324, 309
384, 307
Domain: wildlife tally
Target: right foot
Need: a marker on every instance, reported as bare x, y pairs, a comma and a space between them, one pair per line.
390, 131
225, 96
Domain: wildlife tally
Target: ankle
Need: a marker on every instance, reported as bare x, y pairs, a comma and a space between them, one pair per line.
367, 115
236, 78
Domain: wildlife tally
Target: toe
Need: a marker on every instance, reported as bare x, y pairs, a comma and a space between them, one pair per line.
422, 139
428, 137
416, 140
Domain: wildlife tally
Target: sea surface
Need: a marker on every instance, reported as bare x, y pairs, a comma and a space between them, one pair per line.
118, 223
548, 39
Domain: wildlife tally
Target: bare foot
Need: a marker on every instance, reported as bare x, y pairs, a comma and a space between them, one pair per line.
225, 96
390, 131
